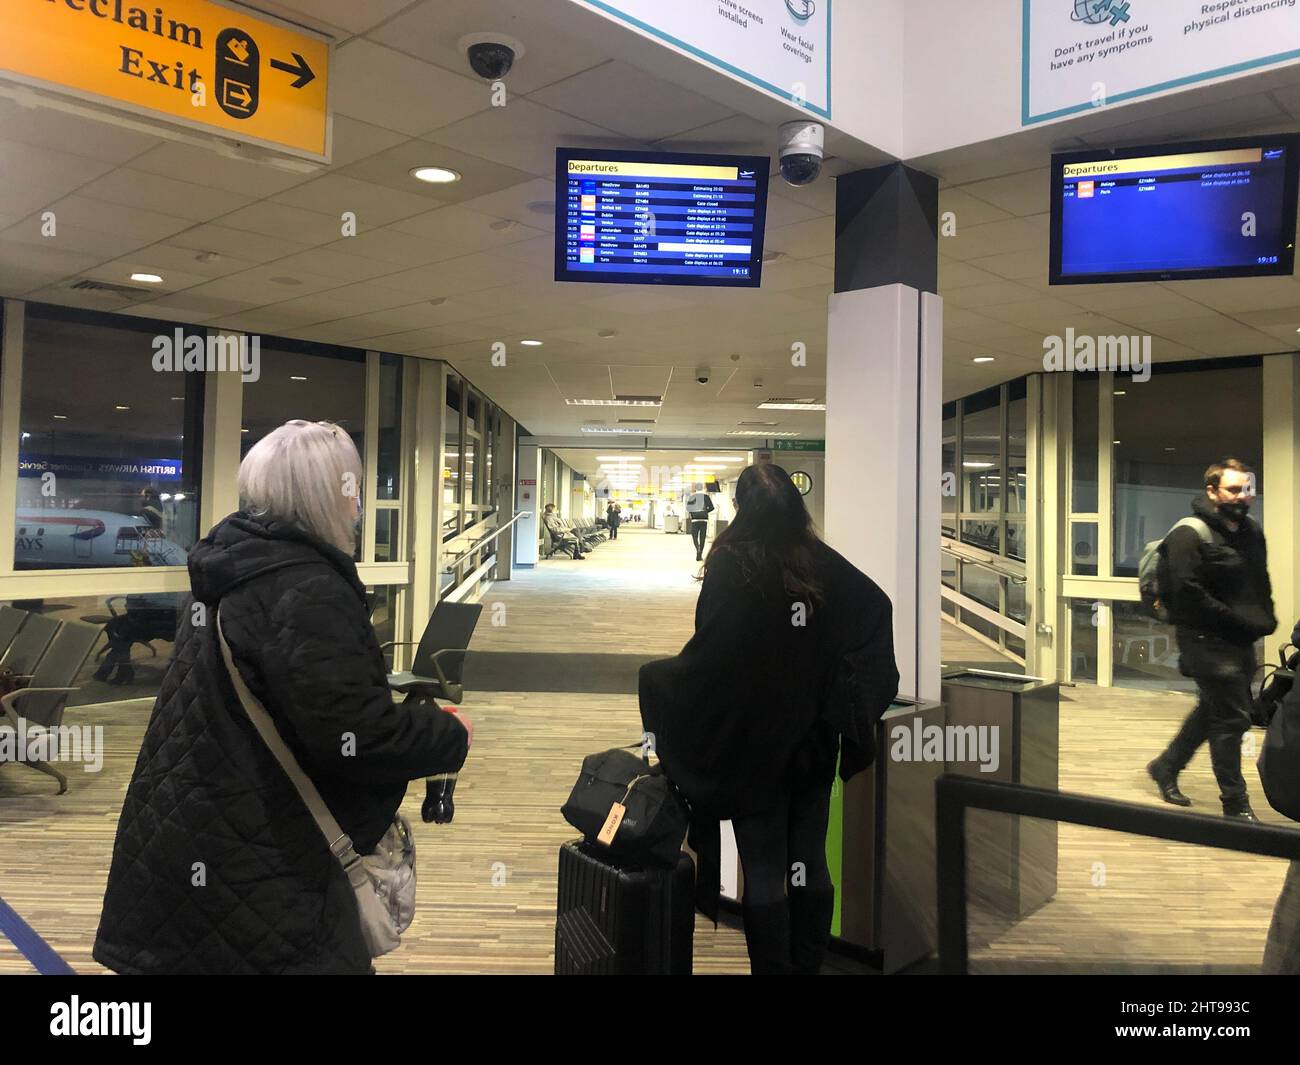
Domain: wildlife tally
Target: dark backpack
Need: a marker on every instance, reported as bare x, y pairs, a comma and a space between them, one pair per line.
1274, 683
1279, 760
1153, 569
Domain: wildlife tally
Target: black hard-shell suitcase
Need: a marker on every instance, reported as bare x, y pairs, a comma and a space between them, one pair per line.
622, 921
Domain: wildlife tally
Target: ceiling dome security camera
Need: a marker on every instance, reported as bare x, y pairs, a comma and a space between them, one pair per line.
702, 374
491, 55
803, 147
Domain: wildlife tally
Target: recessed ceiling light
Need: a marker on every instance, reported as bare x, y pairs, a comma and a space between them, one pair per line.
295, 377
1120, 392
437, 301
978, 465
1171, 449
777, 405
207, 257
121, 407
61, 417
147, 279
286, 280
616, 429
611, 403
756, 432
243, 430
178, 397
982, 358
1116, 441
531, 343
609, 334
435, 175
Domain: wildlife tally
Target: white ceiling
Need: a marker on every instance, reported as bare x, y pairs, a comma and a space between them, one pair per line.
446, 272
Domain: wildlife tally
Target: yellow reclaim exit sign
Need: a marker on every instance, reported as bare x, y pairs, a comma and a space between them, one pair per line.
203, 63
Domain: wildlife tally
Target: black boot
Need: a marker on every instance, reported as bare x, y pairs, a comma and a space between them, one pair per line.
767, 935
1167, 782
1239, 808
811, 912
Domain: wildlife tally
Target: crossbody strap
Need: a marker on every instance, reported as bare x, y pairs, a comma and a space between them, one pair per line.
340, 844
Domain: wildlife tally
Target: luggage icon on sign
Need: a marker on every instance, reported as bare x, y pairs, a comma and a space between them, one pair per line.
238, 73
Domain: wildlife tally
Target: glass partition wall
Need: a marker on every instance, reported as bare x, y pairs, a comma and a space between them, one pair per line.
472, 501
1122, 461
983, 515
115, 459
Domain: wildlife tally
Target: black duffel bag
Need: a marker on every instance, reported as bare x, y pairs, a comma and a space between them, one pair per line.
1279, 759
655, 816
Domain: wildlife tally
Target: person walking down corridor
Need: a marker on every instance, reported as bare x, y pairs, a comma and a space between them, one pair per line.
1214, 582
791, 666
218, 866
613, 518
698, 507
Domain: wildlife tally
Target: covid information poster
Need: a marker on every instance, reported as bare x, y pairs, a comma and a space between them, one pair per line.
783, 46
1080, 54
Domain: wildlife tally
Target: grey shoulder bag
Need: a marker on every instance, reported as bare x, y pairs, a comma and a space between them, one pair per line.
383, 882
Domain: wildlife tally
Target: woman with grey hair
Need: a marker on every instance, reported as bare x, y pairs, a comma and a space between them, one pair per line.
218, 867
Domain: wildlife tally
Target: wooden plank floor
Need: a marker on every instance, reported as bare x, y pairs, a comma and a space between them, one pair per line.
487, 881
635, 594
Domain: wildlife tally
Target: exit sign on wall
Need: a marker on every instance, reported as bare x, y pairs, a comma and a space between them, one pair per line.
799, 445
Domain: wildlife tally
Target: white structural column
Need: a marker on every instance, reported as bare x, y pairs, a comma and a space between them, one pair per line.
1280, 490
527, 476
425, 528
883, 432
223, 412
884, 416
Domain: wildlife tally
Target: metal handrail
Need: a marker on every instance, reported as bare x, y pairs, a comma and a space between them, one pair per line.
976, 556
954, 795
485, 540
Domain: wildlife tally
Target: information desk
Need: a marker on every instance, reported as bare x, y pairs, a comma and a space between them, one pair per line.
880, 846
1014, 724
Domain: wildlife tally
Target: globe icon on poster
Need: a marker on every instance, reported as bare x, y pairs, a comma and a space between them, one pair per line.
1096, 12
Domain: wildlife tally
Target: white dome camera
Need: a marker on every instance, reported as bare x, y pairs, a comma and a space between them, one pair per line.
803, 147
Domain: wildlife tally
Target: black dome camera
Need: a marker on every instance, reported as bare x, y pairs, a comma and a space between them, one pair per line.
491, 60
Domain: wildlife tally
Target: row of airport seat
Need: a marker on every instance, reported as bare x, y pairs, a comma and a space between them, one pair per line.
44, 656
588, 531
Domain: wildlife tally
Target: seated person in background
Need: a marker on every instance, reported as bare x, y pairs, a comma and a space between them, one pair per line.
562, 536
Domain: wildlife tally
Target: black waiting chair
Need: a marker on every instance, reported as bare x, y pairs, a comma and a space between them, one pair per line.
11, 620
27, 647
44, 699
440, 655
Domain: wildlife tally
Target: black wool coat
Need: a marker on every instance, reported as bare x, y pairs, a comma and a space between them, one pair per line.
217, 865
760, 698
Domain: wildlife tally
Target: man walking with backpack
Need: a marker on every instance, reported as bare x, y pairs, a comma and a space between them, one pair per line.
1213, 586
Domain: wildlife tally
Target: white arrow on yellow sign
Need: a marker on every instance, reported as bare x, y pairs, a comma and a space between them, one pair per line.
198, 62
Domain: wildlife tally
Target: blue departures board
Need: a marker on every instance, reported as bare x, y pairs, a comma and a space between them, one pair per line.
663, 219
1181, 211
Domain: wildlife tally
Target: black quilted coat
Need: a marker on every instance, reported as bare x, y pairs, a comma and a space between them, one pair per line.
217, 866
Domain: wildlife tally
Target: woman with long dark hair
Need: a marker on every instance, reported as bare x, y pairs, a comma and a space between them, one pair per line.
791, 666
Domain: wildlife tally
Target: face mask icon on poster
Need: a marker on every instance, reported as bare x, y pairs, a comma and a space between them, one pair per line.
801, 9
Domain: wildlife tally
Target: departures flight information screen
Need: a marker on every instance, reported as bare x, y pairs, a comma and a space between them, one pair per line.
654, 218
1227, 211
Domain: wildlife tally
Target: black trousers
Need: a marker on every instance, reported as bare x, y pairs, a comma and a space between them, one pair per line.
699, 534
613, 530
789, 900
771, 843
1221, 717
